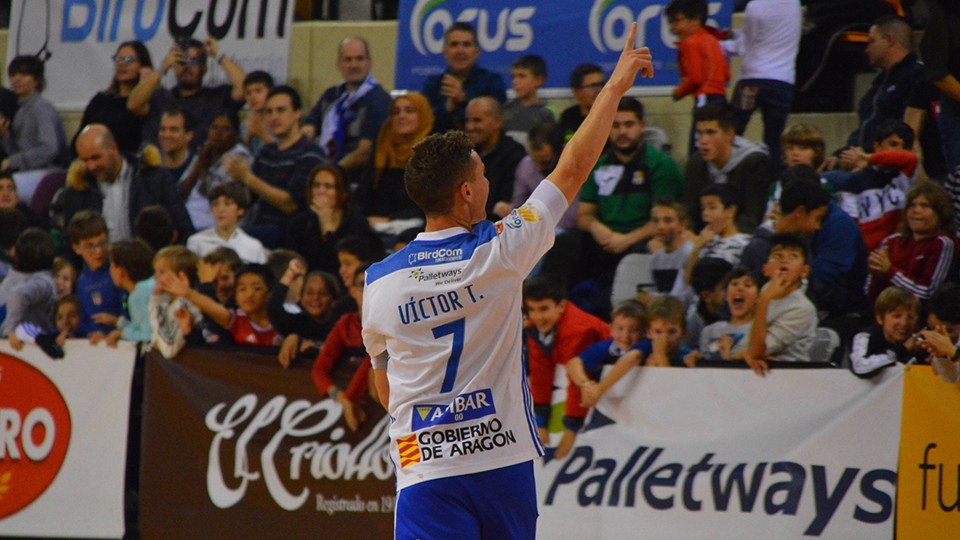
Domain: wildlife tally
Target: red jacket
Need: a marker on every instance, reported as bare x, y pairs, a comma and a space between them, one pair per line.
344, 335
576, 330
918, 267
703, 68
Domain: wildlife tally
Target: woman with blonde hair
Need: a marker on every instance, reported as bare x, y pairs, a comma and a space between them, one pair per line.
382, 196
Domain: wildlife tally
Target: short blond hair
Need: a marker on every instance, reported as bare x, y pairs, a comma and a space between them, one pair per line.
180, 259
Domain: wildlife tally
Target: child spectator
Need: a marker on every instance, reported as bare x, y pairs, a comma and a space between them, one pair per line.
228, 203
357, 249
100, 303
724, 339
66, 318
64, 276
703, 68
526, 111
307, 323
707, 280
802, 144
343, 350
873, 192
131, 268
9, 199
941, 337
248, 323
254, 131
889, 340
720, 237
173, 318
671, 248
28, 293
920, 256
661, 347
217, 274
557, 331
785, 321
627, 325
154, 225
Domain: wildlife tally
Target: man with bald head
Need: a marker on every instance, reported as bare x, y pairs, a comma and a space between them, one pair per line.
119, 186
500, 154
890, 48
347, 117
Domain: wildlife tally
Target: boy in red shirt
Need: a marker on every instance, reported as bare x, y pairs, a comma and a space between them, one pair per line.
557, 331
704, 71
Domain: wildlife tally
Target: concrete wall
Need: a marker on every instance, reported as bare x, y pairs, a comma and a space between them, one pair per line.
311, 68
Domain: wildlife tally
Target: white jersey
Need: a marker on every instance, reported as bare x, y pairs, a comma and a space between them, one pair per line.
446, 310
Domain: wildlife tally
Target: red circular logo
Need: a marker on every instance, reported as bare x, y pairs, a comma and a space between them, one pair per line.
34, 434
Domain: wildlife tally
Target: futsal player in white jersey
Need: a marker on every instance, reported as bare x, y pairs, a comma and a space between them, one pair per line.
442, 323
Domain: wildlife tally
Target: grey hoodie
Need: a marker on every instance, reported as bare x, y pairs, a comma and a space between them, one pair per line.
748, 171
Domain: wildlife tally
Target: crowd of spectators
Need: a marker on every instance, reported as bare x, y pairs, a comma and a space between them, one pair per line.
179, 224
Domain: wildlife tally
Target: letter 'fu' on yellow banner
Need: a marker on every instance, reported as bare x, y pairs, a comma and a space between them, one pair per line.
928, 495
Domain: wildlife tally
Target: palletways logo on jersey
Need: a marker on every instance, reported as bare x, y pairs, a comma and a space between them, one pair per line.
34, 434
440, 277
433, 256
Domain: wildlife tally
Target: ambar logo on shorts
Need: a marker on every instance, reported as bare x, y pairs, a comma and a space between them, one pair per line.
34, 434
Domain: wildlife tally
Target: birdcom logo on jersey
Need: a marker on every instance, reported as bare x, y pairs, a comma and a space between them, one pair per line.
433, 256
610, 21
34, 434
508, 28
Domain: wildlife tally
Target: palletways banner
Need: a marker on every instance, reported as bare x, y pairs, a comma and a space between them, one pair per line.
235, 446
63, 440
717, 453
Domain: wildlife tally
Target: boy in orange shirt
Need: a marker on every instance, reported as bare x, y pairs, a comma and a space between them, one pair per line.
704, 71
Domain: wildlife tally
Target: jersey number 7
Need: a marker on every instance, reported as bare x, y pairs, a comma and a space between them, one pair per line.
456, 328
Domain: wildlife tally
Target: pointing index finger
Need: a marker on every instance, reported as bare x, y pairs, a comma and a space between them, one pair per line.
631, 38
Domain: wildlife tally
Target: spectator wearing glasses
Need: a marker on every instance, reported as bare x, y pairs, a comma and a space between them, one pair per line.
188, 59
586, 80
112, 107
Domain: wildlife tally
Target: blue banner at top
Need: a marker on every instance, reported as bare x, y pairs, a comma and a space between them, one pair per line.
565, 33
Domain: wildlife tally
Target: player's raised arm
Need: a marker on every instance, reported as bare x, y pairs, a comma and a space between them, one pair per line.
581, 153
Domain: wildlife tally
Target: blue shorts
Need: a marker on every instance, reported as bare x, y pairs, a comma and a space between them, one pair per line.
500, 504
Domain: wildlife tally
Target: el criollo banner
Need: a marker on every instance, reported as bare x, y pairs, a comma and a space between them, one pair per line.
234, 446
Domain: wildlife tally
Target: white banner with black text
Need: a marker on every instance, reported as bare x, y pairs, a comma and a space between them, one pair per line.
722, 453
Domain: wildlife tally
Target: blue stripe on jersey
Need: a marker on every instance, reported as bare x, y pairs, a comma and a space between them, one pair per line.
432, 252
528, 410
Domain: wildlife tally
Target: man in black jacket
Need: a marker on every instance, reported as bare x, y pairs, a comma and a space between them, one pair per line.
890, 48
500, 153
120, 186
